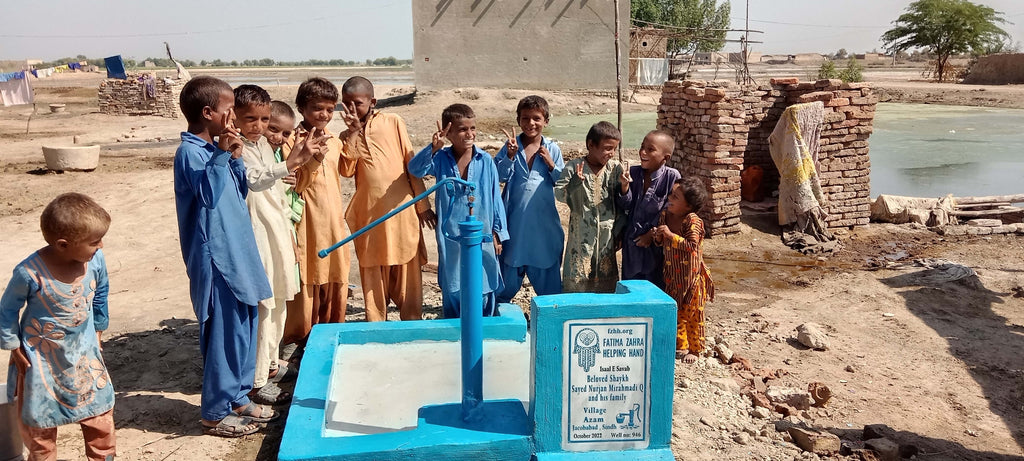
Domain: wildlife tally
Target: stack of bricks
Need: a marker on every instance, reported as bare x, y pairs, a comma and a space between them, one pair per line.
722, 128
128, 97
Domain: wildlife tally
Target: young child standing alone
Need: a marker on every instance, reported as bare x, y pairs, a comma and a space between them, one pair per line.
463, 160
680, 233
391, 254
272, 225
58, 373
323, 295
226, 277
589, 185
529, 165
643, 192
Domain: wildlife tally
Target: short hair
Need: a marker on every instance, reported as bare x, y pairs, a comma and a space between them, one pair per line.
281, 109
73, 217
251, 95
668, 136
313, 89
200, 92
694, 191
357, 85
603, 130
533, 102
456, 112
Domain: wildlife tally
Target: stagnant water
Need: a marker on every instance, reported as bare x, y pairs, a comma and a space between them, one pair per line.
918, 150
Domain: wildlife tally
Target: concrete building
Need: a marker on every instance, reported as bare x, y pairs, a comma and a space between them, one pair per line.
550, 45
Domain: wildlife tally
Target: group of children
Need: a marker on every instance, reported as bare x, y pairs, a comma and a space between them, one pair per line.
257, 194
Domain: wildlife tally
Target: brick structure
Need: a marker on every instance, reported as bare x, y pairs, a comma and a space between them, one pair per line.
721, 128
129, 96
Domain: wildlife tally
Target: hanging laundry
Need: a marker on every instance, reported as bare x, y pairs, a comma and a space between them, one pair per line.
34, 74
115, 67
61, 68
6, 76
16, 91
43, 73
74, 66
148, 82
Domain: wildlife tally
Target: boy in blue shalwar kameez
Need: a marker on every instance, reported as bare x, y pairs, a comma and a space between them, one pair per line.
529, 165
464, 160
225, 274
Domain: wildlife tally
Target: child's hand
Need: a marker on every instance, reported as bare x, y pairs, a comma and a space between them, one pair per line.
579, 173
351, 118
437, 142
428, 219
624, 178
497, 245
99, 339
290, 179
511, 144
546, 157
645, 240
229, 140
20, 360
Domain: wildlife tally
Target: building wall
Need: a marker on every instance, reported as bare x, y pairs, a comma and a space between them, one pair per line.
128, 97
549, 45
721, 129
997, 69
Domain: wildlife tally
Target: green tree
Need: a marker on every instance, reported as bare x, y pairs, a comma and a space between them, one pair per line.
692, 18
945, 28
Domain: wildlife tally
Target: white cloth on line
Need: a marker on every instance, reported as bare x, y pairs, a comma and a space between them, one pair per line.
651, 71
16, 92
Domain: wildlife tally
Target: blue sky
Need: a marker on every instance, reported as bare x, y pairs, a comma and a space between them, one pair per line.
361, 29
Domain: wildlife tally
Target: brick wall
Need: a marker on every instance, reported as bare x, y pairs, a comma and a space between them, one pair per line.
128, 97
721, 128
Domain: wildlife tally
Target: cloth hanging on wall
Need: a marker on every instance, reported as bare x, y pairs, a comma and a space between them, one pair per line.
115, 67
651, 71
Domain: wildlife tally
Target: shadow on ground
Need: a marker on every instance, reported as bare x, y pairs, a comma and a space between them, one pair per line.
962, 312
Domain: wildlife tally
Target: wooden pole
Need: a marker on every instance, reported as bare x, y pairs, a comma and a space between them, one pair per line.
618, 75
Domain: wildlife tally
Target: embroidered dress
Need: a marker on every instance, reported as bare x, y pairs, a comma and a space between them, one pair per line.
688, 281
67, 380
595, 226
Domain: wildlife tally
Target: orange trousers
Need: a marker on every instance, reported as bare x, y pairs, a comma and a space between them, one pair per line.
402, 285
97, 431
312, 305
690, 322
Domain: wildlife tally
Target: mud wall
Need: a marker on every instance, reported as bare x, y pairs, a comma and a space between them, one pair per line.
997, 69
722, 128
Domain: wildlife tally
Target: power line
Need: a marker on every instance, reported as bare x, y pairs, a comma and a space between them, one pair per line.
811, 25
702, 29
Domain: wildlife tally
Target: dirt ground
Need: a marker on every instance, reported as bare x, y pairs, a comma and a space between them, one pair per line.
939, 363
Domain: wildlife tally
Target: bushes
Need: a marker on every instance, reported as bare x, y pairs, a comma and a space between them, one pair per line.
852, 73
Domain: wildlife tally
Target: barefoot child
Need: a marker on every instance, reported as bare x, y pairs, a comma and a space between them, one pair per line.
323, 295
390, 255
463, 159
529, 165
589, 186
681, 235
642, 194
272, 225
226, 277
59, 376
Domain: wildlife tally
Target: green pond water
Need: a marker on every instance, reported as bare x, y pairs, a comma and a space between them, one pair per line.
917, 150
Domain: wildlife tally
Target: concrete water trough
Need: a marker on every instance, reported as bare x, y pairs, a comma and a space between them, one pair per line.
71, 158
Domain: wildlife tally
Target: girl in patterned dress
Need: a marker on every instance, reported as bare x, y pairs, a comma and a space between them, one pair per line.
57, 370
680, 232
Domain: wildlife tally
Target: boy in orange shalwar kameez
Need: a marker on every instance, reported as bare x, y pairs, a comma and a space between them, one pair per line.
324, 281
391, 254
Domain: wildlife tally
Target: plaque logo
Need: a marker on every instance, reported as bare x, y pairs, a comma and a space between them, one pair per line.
587, 348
